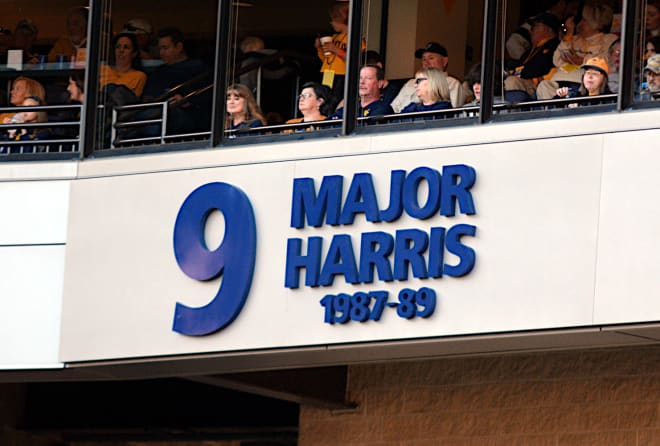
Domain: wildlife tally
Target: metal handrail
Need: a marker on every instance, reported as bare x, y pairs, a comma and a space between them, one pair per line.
47, 145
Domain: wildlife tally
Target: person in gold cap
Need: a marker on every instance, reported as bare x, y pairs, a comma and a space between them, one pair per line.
652, 73
594, 80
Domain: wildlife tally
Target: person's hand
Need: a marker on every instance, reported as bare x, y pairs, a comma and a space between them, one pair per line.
330, 47
6, 120
562, 92
317, 42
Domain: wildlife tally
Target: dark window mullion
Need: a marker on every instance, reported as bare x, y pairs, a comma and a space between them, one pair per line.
222, 53
352, 67
90, 107
488, 60
631, 9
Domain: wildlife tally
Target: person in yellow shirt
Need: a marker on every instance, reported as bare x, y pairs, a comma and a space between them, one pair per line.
75, 37
125, 65
333, 52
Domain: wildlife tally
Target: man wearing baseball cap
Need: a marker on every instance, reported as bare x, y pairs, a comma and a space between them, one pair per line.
652, 73
536, 62
433, 55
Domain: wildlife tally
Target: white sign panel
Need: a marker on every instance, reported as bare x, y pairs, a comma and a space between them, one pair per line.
145, 263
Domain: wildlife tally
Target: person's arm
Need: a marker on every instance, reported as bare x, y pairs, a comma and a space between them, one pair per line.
405, 96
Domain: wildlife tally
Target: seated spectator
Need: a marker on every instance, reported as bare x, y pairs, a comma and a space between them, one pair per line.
25, 35
432, 90
369, 88
243, 112
75, 37
315, 103
473, 80
652, 74
388, 90
178, 70
594, 80
125, 66
652, 47
581, 43
76, 90
23, 87
25, 134
433, 55
613, 57
536, 62
143, 31
520, 41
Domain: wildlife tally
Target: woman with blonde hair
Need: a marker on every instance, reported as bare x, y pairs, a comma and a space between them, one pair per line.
243, 112
21, 88
432, 90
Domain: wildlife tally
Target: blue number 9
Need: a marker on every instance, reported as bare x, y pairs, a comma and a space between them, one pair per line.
234, 258
427, 299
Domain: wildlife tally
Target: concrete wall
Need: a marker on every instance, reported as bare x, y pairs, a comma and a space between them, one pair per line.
601, 397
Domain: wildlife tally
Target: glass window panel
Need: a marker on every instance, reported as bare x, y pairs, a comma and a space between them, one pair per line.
557, 55
42, 47
156, 73
274, 72
427, 49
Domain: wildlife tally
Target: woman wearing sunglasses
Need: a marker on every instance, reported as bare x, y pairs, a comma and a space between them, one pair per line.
432, 90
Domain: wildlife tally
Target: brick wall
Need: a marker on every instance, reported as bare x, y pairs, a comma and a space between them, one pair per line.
596, 397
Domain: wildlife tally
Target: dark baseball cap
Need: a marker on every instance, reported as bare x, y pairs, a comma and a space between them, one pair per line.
432, 47
548, 20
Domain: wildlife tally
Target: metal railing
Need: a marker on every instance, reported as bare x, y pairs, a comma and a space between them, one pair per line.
56, 135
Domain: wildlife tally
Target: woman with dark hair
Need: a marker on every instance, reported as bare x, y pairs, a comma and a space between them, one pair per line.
76, 88
125, 66
243, 112
652, 47
315, 103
